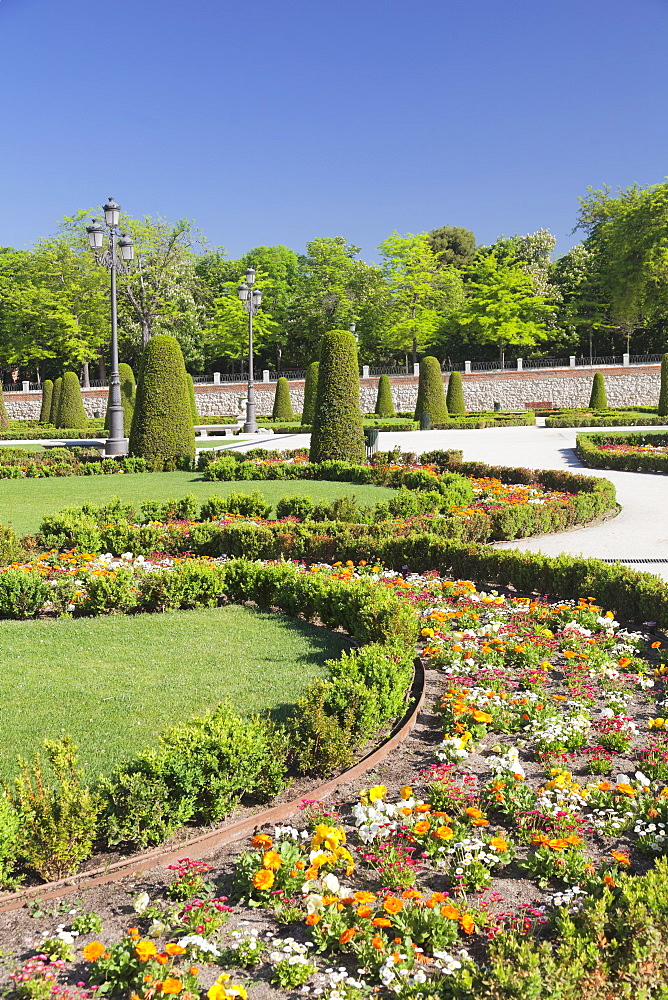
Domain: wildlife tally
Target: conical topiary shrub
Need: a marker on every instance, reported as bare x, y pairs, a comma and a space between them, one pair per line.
71, 411
55, 400
663, 395
455, 397
598, 399
47, 396
162, 425
431, 397
190, 386
4, 418
310, 390
384, 401
282, 403
337, 432
128, 390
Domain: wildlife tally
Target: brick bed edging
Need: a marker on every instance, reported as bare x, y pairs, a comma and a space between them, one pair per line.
206, 843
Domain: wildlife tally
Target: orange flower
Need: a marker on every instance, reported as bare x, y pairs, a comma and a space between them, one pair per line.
623, 661
444, 833
574, 839
609, 881
621, 857
449, 911
194, 970
422, 827
480, 716
311, 873
93, 951
362, 896
474, 813
364, 912
162, 959
393, 905
133, 932
423, 807
499, 844
466, 923
480, 822
411, 894
263, 879
262, 840
272, 859
381, 922
557, 844
174, 949
313, 919
604, 786
626, 789
347, 935
172, 985
377, 943
145, 950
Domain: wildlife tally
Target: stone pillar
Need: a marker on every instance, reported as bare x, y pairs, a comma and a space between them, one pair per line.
365, 371
519, 364
571, 361
626, 360
467, 367
416, 369
265, 375
26, 386
216, 378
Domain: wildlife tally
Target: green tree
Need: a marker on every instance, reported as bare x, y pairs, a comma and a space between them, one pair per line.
502, 308
282, 403
310, 392
663, 395
190, 388
4, 418
55, 401
71, 411
162, 425
431, 397
384, 401
453, 246
455, 396
47, 395
226, 335
337, 426
598, 399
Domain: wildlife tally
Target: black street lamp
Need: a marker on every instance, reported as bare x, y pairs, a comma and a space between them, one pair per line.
116, 442
352, 329
251, 298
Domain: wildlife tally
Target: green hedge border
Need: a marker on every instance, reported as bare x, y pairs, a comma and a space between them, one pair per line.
614, 419
588, 449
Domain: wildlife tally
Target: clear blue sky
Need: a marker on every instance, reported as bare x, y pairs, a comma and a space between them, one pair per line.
282, 120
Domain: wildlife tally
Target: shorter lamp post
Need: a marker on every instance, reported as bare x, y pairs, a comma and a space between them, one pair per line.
352, 329
116, 441
251, 299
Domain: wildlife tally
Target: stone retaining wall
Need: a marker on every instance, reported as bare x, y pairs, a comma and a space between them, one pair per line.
635, 386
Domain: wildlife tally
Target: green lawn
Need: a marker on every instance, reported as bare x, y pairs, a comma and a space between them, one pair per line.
24, 501
113, 683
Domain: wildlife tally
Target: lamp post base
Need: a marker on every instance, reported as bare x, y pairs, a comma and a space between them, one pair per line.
116, 446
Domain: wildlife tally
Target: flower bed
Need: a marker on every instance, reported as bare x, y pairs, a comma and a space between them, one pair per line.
526, 859
604, 418
17, 463
646, 452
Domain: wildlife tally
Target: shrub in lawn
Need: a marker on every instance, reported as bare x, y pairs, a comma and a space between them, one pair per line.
47, 395
4, 419
455, 397
55, 401
337, 432
162, 425
115, 593
282, 403
71, 411
71, 528
11, 549
663, 395
411, 503
300, 507
22, 595
431, 397
128, 392
598, 399
248, 505
319, 742
384, 401
58, 821
191, 584
310, 390
9, 846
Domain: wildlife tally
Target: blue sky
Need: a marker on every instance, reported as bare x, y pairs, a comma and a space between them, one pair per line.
277, 122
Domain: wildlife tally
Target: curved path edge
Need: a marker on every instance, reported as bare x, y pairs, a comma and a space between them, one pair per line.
205, 843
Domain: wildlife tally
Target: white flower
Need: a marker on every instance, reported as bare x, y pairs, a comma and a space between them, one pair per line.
141, 902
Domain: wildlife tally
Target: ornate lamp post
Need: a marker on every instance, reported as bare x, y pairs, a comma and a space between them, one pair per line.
352, 329
116, 442
251, 299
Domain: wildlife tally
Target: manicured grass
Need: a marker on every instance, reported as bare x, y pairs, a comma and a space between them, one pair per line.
23, 502
113, 683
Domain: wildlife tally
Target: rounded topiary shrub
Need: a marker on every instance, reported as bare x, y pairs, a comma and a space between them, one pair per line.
162, 425
310, 390
282, 403
128, 392
47, 396
190, 386
431, 397
384, 401
71, 411
337, 432
663, 395
55, 401
455, 397
4, 419
598, 399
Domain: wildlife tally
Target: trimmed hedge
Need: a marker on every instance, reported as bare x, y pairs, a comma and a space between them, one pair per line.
588, 449
4, 419
47, 395
190, 387
598, 399
614, 418
282, 409
71, 411
337, 433
310, 392
455, 396
384, 402
431, 397
663, 395
162, 425
55, 401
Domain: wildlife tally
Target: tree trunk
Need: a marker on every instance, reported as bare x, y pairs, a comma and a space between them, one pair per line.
415, 360
145, 332
85, 375
102, 369
406, 361
502, 354
279, 355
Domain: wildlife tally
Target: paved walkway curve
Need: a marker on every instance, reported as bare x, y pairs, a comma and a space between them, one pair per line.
640, 531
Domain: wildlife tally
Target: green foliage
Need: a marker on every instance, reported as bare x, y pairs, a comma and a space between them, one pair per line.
384, 402
453, 246
300, 507
282, 403
337, 425
663, 396
605, 418
588, 447
162, 425
310, 392
431, 397
248, 504
22, 595
4, 419
55, 401
58, 822
190, 388
71, 411
47, 395
598, 399
9, 846
455, 397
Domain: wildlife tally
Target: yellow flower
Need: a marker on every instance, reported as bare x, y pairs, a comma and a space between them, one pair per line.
377, 793
272, 859
145, 950
263, 879
406, 792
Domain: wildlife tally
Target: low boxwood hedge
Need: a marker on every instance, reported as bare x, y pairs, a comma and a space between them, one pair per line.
588, 447
604, 418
